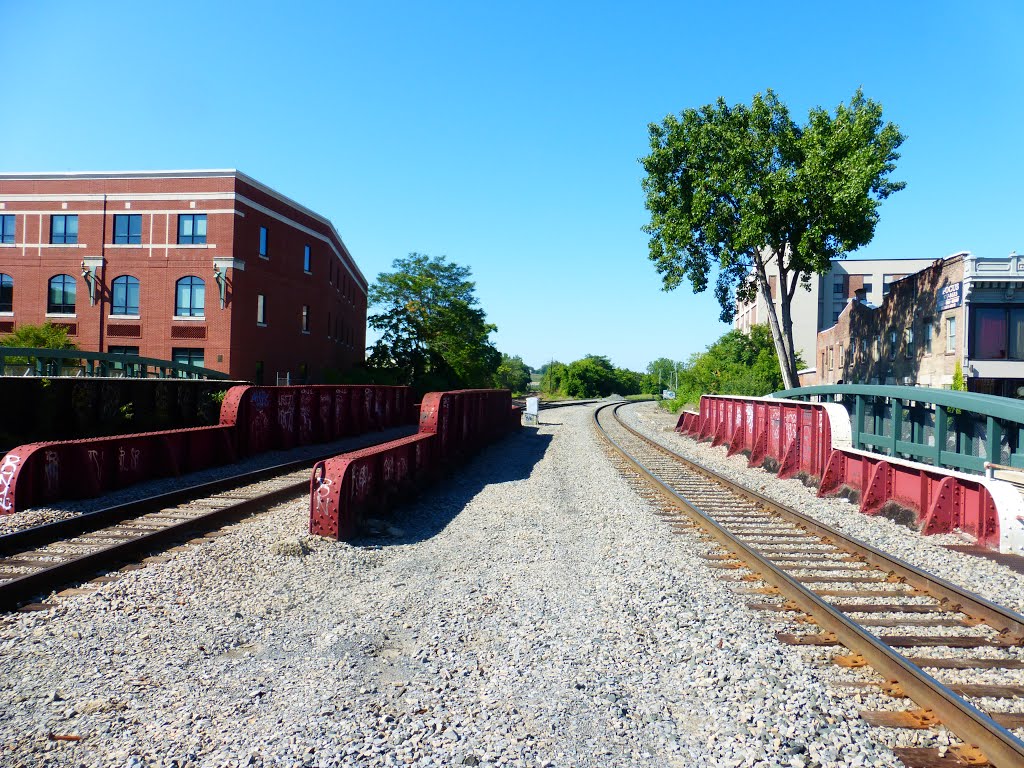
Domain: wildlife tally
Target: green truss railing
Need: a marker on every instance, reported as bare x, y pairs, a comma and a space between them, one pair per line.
943, 427
54, 362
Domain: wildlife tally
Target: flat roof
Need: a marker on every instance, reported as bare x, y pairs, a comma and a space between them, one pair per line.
185, 174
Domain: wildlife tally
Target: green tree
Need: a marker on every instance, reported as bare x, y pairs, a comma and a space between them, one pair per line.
740, 189
512, 374
552, 381
433, 334
735, 364
45, 336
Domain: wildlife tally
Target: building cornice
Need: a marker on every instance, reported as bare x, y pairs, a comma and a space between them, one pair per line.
192, 174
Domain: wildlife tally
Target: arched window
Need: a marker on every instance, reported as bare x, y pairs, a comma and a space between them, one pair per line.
124, 295
190, 297
61, 298
6, 293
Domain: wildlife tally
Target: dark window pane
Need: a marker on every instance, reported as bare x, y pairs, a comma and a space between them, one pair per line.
56, 229
184, 228
199, 232
71, 229
6, 293
7, 228
1017, 334
263, 241
989, 334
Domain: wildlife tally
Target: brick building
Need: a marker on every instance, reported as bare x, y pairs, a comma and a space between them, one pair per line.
206, 267
818, 307
963, 308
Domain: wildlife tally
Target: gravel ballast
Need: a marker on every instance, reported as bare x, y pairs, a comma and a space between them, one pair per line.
532, 611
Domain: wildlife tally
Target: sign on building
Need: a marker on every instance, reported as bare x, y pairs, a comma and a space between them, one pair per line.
949, 297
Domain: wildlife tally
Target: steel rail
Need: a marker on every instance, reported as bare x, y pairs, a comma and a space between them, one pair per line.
16, 591
48, 533
972, 725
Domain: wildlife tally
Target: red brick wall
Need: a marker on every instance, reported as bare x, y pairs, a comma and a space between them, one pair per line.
233, 342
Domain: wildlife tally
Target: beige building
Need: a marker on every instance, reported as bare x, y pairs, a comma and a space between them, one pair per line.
963, 308
819, 308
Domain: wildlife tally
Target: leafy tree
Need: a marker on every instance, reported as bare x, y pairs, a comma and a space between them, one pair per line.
512, 374
661, 374
45, 336
433, 334
552, 380
742, 188
735, 364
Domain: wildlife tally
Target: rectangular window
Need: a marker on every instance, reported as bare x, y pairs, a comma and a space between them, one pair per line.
951, 334
892, 345
842, 356
864, 346
7, 228
305, 318
127, 228
927, 338
830, 358
909, 337
261, 309
1017, 334
877, 352
187, 355
263, 242
307, 265
839, 286
867, 290
191, 229
259, 373
997, 333
64, 229
6, 293
118, 350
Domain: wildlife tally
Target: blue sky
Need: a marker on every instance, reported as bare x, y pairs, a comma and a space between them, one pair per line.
506, 136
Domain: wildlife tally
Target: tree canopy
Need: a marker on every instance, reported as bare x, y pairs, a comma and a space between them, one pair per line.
433, 334
512, 374
45, 336
590, 376
736, 190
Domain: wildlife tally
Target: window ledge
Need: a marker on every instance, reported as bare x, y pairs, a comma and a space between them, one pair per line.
189, 319
193, 246
12, 245
61, 245
307, 271
265, 258
6, 314
261, 325
124, 317
61, 315
129, 245
305, 333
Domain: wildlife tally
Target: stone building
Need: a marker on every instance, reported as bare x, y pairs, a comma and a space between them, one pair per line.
819, 307
963, 308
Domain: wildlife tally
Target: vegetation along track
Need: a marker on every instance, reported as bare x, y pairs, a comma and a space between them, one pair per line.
847, 589
36, 560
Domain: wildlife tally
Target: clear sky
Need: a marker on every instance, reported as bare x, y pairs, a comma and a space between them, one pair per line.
505, 136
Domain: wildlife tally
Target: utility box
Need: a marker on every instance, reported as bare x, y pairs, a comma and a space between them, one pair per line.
532, 408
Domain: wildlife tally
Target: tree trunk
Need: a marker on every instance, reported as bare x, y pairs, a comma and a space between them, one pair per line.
784, 352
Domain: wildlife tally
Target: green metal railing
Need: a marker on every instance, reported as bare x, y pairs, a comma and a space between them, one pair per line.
33, 361
943, 427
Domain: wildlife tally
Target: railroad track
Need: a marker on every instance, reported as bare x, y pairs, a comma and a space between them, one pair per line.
858, 597
35, 561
